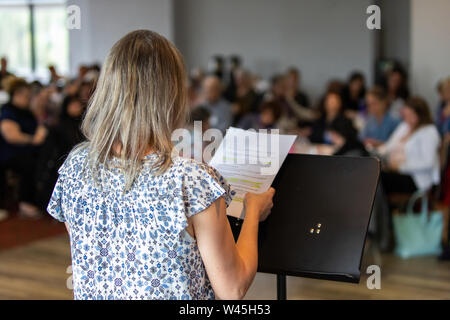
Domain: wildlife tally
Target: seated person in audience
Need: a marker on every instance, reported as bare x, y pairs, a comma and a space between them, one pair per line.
331, 109
194, 88
411, 153
199, 120
20, 135
54, 76
220, 109
267, 118
291, 111
443, 113
344, 138
245, 97
60, 140
293, 88
4, 73
380, 124
235, 66
397, 90
353, 94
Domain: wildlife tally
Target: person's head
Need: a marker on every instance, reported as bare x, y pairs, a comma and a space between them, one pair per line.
243, 78
19, 92
52, 70
202, 114
278, 87
341, 130
72, 107
269, 113
356, 84
445, 90
416, 113
85, 91
3, 64
332, 104
377, 101
235, 62
335, 85
212, 88
293, 78
216, 65
397, 83
82, 70
139, 100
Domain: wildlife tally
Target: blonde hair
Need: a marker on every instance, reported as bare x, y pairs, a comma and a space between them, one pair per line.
139, 100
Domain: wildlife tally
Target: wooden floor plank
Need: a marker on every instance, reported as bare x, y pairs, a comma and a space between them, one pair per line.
38, 271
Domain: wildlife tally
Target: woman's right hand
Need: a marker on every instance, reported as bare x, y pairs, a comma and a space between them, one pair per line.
260, 203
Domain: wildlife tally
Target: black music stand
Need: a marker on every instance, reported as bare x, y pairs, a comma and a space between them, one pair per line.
322, 208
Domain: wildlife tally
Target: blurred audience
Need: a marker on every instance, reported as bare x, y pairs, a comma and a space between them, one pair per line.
293, 91
412, 152
20, 136
331, 109
245, 98
379, 123
40, 123
397, 90
443, 110
344, 138
220, 109
353, 94
267, 118
3, 70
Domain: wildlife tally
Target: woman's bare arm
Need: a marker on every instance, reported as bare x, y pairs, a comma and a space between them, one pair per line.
231, 266
11, 132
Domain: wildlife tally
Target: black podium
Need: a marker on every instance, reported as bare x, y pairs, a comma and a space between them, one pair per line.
318, 225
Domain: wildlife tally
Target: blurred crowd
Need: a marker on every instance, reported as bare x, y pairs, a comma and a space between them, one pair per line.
40, 123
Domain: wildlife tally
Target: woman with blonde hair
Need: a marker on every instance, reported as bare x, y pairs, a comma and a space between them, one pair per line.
144, 224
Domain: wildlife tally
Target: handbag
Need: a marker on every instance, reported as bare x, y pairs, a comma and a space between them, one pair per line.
418, 234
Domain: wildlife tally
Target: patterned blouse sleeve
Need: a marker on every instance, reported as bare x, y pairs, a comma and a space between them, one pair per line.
202, 186
54, 207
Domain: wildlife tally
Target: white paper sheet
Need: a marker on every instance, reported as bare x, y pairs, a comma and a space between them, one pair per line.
250, 160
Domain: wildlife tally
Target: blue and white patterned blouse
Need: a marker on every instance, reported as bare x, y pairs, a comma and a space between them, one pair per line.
134, 245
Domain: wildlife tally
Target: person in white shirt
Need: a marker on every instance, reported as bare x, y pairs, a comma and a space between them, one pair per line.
412, 152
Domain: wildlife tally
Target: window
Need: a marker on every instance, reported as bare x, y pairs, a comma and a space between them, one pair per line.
33, 35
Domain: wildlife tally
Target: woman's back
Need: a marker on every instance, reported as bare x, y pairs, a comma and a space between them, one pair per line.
133, 244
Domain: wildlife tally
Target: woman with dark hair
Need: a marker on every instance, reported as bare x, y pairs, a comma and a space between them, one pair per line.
20, 135
331, 109
411, 153
344, 137
397, 90
354, 92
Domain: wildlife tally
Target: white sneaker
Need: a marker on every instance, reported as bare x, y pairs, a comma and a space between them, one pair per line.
3, 214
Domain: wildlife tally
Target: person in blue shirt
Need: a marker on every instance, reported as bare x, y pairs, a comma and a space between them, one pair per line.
380, 124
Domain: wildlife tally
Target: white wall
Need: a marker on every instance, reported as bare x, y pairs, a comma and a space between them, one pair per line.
324, 38
430, 46
103, 22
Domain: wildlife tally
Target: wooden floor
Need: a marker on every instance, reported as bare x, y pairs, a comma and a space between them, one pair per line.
38, 271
